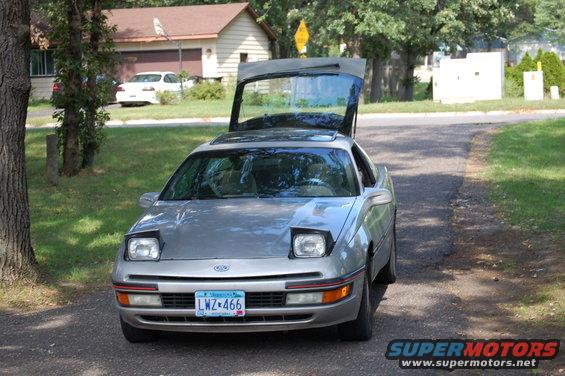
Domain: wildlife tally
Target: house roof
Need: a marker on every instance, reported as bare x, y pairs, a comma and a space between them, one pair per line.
181, 22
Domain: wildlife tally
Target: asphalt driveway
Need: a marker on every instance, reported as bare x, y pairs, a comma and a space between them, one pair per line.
427, 163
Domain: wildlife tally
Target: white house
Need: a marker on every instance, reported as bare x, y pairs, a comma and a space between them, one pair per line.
214, 38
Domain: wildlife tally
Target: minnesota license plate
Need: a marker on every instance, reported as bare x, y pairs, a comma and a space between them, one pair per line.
228, 303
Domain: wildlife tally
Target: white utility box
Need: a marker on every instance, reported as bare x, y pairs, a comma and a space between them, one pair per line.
479, 76
533, 86
554, 92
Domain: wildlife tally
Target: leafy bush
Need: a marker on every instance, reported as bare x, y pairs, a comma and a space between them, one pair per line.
553, 71
254, 98
166, 97
230, 83
514, 76
512, 89
207, 90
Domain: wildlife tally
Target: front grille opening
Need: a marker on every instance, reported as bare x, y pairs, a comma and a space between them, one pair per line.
216, 320
252, 300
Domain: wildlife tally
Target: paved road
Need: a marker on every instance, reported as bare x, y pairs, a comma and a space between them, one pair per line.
427, 161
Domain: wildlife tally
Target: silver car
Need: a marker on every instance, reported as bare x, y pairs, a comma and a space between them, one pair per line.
281, 223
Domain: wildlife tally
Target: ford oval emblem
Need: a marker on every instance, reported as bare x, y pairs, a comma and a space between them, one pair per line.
221, 268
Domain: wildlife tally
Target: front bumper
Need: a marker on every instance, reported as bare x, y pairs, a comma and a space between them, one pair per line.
136, 97
280, 318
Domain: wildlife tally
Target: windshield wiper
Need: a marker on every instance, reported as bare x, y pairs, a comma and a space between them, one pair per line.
195, 197
265, 195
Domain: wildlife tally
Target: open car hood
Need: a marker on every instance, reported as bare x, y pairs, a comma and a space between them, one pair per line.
348, 75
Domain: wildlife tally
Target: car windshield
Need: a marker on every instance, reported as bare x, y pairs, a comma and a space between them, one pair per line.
264, 172
284, 101
145, 78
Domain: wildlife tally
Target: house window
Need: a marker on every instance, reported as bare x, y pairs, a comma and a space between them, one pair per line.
243, 58
42, 63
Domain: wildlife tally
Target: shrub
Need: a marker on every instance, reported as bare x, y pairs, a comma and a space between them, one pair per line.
166, 97
254, 98
514, 76
207, 90
512, 89
553, 71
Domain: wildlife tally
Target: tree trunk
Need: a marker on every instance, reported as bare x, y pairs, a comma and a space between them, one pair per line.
90, 144
355, 47
16, 254
377, 80
408, 78
71, 147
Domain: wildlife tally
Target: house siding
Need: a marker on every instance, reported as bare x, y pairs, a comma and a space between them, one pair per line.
42, 86
242, 35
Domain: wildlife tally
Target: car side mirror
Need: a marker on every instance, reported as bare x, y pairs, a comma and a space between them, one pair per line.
148, 199
379, 196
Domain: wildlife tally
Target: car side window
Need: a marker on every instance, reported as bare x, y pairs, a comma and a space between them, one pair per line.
364, 166
171, 79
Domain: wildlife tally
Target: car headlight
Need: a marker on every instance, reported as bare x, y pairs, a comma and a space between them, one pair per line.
310, 242
309, 245
140, 249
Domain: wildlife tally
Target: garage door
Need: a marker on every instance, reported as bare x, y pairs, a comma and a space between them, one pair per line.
143, 61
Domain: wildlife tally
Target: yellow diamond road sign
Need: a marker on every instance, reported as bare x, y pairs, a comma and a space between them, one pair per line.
301, 36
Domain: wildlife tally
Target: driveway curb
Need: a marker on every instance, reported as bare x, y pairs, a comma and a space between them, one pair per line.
215, 121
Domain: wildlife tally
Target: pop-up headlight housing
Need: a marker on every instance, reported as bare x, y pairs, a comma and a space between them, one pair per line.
307, 242
143, 246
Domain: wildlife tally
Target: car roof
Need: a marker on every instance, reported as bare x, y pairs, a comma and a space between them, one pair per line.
154, 72
278, 137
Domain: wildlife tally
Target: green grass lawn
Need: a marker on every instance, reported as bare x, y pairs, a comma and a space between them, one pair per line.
183, 109
508, 104
222, 108
38, 104
527, 175
77, 226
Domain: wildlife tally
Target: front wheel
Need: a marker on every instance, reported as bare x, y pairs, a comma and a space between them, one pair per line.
137, 335
360, 329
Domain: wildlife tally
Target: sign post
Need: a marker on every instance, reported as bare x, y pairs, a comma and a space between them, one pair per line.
301, 38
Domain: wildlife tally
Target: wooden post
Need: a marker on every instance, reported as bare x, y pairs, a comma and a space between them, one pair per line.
52, 161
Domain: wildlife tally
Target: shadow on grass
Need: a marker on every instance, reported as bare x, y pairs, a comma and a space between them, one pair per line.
78, 225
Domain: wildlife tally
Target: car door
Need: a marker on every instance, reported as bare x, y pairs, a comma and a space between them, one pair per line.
172, 83
378, 218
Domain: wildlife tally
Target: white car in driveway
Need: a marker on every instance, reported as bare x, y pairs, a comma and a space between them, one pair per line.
143, 87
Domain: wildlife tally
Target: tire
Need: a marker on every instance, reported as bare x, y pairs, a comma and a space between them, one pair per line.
137, 335
360, 329
387, 274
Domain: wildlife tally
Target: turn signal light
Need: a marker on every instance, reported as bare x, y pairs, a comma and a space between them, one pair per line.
138, 300
331, 296
122, 298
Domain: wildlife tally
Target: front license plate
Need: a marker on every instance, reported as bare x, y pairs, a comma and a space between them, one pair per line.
228, 303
